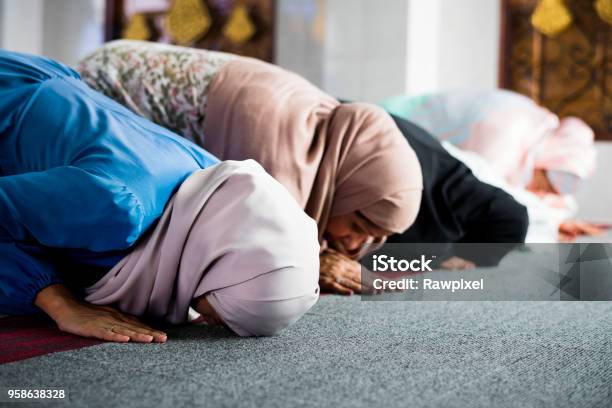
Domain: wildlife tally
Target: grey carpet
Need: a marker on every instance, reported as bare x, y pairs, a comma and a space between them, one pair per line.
350, 353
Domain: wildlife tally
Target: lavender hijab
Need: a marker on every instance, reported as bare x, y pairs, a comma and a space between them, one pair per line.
232, 233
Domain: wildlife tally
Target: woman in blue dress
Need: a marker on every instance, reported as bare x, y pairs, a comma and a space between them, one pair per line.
82, 179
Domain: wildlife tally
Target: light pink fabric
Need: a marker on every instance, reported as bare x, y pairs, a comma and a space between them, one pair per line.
508, 136
507, 129
569, 149
517, 141
334, 158
233, 232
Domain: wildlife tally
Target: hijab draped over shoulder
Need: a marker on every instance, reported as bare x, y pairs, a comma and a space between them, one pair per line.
333, 158
233, 234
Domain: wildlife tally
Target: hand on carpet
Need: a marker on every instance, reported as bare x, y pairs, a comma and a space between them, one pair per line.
87, 320
571, 229
341, 274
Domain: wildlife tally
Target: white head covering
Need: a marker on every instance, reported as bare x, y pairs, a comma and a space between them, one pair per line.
568, 155
234, 233
509, 130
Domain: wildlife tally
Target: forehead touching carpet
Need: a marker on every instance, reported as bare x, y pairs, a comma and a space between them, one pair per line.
351, 353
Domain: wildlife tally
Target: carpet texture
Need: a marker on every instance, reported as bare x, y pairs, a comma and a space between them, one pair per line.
24, 337
350, 353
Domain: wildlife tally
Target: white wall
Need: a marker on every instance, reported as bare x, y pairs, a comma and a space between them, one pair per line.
300, 38
423, 46
21, 25
65, 30
469, 44
354, 49
368, 50
72, 28
365, 52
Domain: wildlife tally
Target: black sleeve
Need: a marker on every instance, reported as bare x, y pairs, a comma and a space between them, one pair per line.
457, 207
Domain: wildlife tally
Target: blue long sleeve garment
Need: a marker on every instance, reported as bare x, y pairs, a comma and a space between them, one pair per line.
80, 176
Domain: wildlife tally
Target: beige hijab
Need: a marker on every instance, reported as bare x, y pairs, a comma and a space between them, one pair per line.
333, 158
232, 233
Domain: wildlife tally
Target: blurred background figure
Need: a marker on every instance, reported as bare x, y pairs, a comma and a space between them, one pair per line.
517, 145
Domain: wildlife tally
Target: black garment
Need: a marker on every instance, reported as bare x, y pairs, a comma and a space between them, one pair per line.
456, 207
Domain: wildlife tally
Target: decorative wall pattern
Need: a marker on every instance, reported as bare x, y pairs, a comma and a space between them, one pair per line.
570, 70
244, 27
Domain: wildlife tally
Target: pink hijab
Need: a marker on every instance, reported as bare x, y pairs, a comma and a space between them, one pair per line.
230, 232
507, 129
568, 154
333, 158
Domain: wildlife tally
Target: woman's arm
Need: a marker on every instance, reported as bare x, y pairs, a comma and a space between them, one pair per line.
87, 320
24, 271
29, 283
69, 207
569, 230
